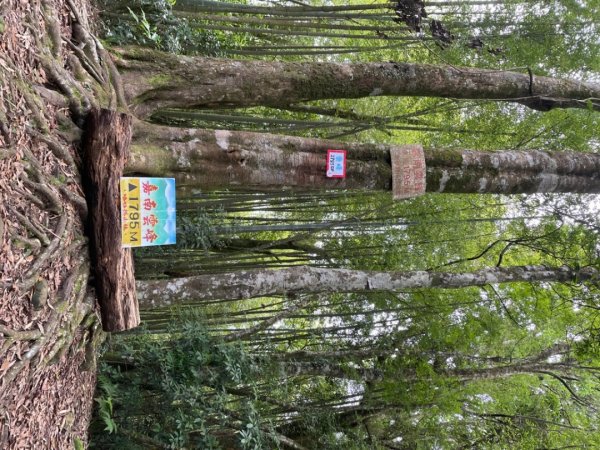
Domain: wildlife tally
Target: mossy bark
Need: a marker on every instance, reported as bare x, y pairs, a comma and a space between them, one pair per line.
264, 282
155, 80
211, 159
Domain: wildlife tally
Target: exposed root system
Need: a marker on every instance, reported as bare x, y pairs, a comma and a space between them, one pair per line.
52, 71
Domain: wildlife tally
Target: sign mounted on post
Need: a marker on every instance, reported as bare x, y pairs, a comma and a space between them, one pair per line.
336, 163
147, 211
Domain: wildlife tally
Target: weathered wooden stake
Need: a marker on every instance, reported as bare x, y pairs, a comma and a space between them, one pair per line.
105, 151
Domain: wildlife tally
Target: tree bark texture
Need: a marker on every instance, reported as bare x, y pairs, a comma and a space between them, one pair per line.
311, 280
369, 375
106, 147
326, 369
155, 80
212, 159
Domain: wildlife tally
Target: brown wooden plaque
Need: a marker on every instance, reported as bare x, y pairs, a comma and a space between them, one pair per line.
408, 171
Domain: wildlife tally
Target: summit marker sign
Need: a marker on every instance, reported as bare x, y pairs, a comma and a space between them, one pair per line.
147, 211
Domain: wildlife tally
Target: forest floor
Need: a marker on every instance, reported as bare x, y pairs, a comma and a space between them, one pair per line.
48, 321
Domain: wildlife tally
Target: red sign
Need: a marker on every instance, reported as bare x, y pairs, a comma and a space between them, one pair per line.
336, 163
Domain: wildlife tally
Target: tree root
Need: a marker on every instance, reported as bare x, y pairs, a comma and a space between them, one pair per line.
51, 96
54, 203
40, 213
33, 102
79, 102
88, 65
70, 132
91, 63
6, 152
4, 130
5, 346
59, 150
39, 297
87, 60
70, 304
67, 286
116, 81
31, 276
33, 244
29, 226
19, 365
77, 201
29, 335
73, 292
9, 149
82, 35
97, 60
30, 197
58, 350
33, 167
52, 28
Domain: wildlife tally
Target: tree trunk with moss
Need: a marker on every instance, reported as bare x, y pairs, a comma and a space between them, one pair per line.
213, 159
311, 280
155, 80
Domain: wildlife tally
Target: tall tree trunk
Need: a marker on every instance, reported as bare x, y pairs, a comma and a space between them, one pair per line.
327, 369
211, 159
155, 80
309, 280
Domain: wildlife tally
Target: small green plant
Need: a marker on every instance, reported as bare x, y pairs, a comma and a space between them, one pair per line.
105, 410
105, 403
198, 231
77, 444
252, 436
145, 28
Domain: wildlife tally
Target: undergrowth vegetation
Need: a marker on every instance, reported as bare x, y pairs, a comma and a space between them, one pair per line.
152, 23
170, 393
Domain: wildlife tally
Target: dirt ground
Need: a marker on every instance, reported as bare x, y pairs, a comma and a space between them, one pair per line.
48, 320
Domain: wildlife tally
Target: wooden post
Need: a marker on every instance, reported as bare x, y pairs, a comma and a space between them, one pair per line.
105, 151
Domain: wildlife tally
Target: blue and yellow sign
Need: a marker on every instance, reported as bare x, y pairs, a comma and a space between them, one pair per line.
147, 211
